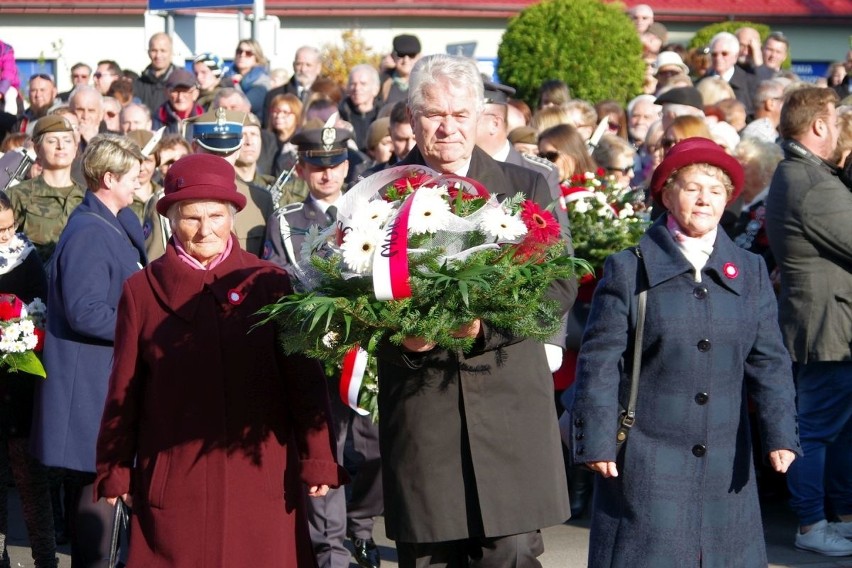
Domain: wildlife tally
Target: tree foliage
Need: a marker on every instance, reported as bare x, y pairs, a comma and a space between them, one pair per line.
591, 45
703, 36
337, 60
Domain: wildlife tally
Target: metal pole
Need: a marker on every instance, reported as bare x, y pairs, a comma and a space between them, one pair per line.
259, 9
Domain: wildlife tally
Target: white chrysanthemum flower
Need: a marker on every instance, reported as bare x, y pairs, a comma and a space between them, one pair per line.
30, 342
358, 248
601, 198
375, 213
315, 239
330, 339
500, 225
581, 206
429, 212
12, 332
589, 175
626, 211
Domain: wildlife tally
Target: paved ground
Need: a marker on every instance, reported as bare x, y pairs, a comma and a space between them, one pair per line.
565, 545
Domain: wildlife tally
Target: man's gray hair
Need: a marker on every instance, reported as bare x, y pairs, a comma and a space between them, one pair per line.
651, 99
726, 38
769, 89
459, 72
137, 106
371, 71
227, 93
87, 90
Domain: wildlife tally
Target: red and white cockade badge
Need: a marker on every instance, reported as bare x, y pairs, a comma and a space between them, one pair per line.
730, 269
235, 297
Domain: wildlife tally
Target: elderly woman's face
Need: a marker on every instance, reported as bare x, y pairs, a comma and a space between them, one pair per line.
696, 201
203, 228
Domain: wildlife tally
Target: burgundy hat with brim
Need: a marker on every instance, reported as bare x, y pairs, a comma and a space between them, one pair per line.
200, 176
696, 151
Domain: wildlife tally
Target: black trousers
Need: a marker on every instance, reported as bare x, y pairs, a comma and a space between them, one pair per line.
91, 523
513, 551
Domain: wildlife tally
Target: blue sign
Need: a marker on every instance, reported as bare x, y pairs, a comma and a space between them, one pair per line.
196, 4
810, 71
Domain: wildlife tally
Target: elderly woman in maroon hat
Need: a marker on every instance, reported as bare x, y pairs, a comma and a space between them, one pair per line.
207, 429
681, 490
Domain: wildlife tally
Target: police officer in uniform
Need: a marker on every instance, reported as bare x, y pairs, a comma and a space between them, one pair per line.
323, 165
42, 204
220, 132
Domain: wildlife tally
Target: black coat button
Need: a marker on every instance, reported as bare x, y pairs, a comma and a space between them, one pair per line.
578, 422
698, 450
701, 398
700, 292
579, 451
579, 436
704, 345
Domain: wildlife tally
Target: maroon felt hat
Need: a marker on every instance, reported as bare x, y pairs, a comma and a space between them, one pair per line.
200, 176
696, 151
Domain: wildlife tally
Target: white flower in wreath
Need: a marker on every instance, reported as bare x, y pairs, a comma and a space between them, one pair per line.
315, 239
429, 212
581, 206
358, 248
376, 213
626, 211
500, 225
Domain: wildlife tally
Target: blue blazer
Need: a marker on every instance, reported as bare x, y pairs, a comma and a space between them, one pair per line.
97, 252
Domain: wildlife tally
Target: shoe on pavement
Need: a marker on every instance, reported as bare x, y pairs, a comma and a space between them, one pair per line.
844, 529
823, 539
367, 553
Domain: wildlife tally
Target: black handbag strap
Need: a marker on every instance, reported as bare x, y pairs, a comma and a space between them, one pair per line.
628, 417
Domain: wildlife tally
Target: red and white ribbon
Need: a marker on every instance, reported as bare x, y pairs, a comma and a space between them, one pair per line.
391, 279
351, 377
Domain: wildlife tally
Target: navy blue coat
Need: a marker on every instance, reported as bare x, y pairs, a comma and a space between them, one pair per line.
685, 495
96, 253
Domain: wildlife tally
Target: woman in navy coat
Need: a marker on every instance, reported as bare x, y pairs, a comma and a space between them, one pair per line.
101, 246
681, 491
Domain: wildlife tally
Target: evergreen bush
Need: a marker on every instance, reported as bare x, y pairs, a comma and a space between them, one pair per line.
591, 45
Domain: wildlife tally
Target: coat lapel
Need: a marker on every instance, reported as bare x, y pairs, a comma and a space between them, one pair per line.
664, 260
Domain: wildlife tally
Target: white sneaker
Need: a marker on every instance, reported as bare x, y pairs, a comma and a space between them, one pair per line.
844, 529
823, 539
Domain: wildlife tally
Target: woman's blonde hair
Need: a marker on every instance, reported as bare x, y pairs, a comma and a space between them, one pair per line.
254, 45
109, 153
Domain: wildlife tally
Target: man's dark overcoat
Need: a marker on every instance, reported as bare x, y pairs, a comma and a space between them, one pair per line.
686, 494
470, 445
204, 420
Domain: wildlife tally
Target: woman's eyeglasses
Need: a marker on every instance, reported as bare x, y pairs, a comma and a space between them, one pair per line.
246, 52
627, 170
549, 156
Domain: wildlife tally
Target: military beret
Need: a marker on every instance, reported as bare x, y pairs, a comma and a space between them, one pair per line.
52, 123
497, 94
180, 77
406, 44
524, 135
219, 131
251, 120
325, 147
689, 96
200, 176
378, 130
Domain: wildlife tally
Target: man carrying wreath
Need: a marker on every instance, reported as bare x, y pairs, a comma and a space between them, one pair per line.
471, 457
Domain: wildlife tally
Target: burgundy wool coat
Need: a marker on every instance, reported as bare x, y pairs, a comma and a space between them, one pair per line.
205, 419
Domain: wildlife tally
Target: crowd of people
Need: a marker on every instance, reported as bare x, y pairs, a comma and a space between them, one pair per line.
164, 208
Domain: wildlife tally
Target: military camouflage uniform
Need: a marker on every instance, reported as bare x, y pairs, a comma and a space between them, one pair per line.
42, 211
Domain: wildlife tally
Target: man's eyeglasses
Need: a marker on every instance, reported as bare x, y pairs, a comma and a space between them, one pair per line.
99, 74
549, 156
7, 230
110, 114
408, 55
720, 53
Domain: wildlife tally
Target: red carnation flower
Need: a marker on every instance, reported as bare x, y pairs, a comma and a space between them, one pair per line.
10, 307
